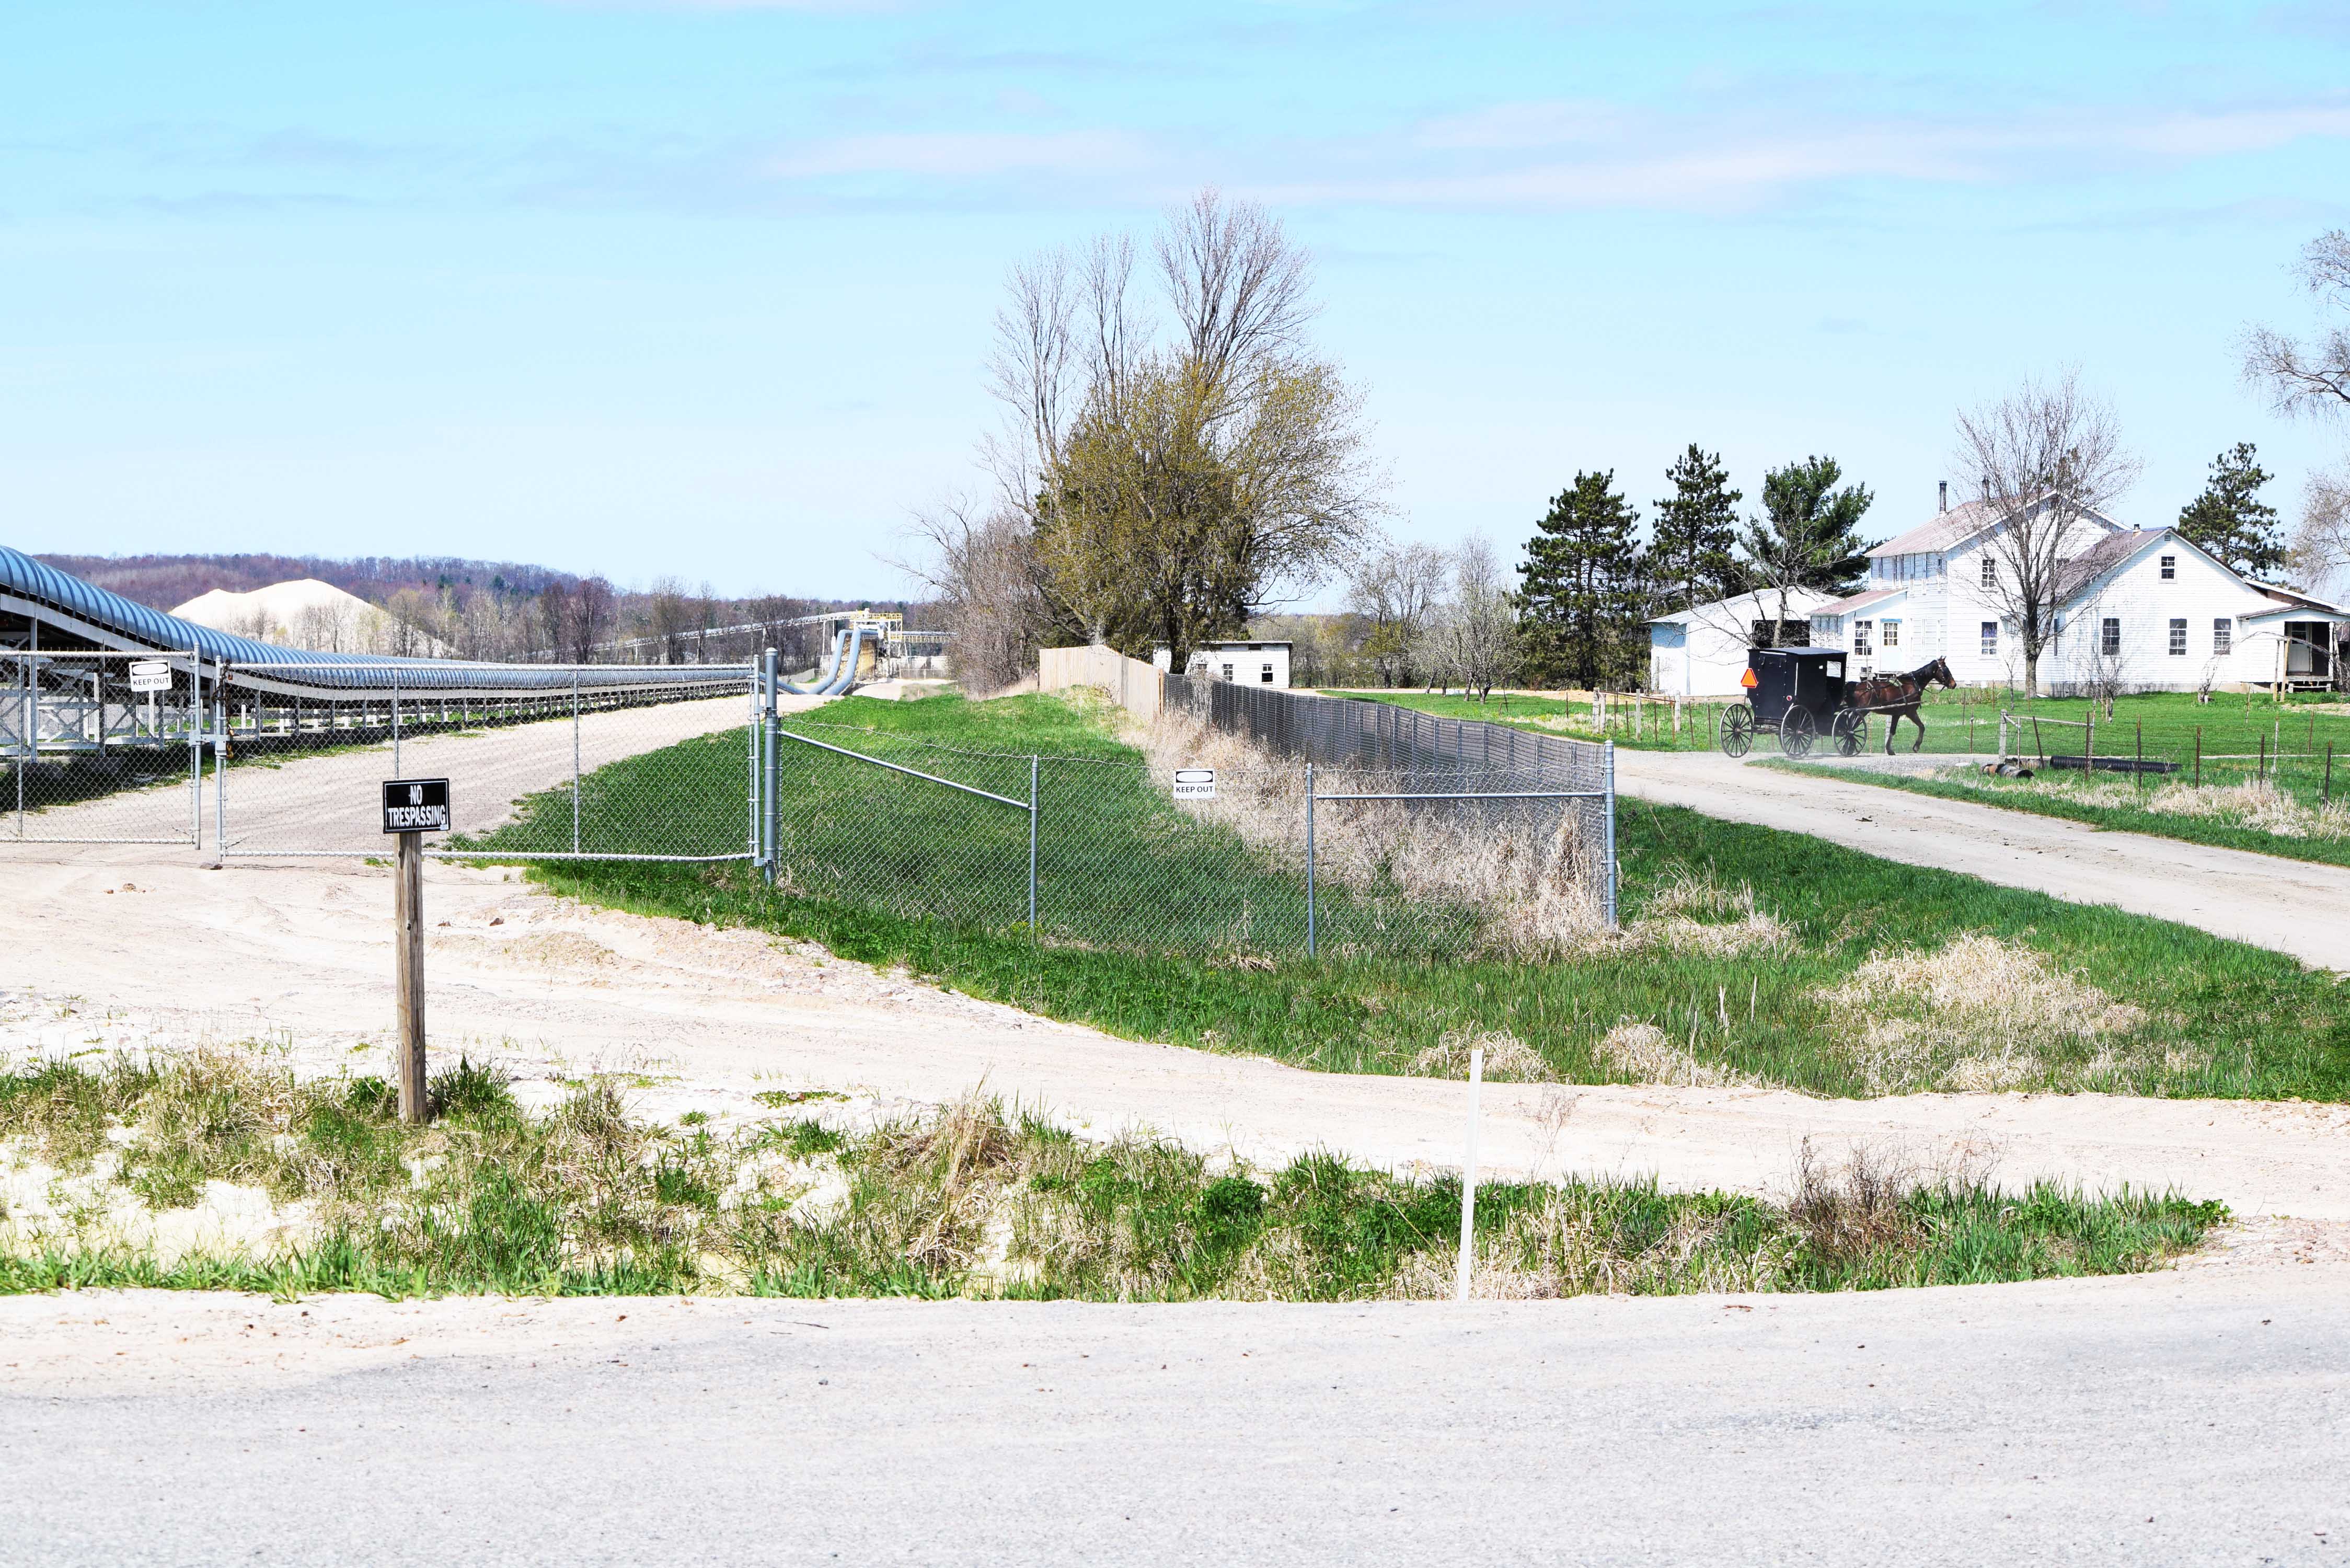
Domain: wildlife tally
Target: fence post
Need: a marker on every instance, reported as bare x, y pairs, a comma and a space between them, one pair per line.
1469, 1183
770, 790
574, 761
191, 726
1309, 860
395, 729
2198, 756
2326, 798
1032, 847
1611, 833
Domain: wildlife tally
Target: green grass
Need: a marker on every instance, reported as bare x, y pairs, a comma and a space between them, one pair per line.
2235, 730
968, 1201
2277, 821
1754, 1000
1117, 864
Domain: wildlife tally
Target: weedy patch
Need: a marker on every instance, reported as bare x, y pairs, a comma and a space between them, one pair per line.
1645, 1053
1984, 1014
110, 1172
1508, 1059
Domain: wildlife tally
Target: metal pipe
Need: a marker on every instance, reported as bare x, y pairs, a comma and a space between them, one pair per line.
770, 787
1496, 794
574, 761
910, 772
1033, 761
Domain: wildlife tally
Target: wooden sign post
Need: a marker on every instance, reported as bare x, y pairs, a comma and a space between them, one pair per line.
412, 808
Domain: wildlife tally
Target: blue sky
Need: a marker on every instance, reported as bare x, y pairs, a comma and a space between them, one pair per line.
703, 288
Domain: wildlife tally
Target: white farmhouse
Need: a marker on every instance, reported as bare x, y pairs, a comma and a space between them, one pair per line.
2138, 608
1701, 651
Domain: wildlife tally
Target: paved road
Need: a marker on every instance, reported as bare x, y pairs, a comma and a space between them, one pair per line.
2291, 906
2187, 1419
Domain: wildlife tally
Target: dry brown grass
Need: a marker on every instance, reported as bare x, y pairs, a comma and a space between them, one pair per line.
1530, 883
1647, 1054
1982, 1014
1508, 1059
2254, 805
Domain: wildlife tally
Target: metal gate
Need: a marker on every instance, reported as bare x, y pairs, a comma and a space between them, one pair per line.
544, 762
101, 747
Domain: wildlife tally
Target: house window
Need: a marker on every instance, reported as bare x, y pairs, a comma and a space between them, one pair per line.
1892, 635
1266, 679
1227, 672
1861, 630
2109, 642
1990, 572
2223, 635
2169, 567
2179, 637
1990, 640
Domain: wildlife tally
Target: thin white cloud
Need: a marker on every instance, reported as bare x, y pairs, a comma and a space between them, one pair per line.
1577, 154
964, 154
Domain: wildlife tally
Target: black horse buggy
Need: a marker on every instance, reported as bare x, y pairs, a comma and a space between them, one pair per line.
1799, 694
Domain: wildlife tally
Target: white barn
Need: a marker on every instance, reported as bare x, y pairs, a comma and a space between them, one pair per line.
1701, 651
2141, 607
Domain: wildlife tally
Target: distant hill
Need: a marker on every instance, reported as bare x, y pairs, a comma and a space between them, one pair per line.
163, 581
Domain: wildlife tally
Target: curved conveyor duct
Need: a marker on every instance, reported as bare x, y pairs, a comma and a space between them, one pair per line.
845, 655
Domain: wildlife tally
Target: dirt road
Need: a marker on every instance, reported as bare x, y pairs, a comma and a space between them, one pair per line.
2189, 1417
2292, 906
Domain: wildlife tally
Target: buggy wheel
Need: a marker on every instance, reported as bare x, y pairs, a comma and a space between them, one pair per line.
1797, 729
1851, 732
1737, 730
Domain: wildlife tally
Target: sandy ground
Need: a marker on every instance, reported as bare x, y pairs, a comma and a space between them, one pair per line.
301, 953
2196, 1416
2292, 906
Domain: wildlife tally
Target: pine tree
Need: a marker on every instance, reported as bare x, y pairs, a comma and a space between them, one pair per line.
1580, 596
1695, 529
1809, 534
2231, 520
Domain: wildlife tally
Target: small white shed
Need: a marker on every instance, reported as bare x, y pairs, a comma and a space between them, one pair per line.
1242, 664
1701, 651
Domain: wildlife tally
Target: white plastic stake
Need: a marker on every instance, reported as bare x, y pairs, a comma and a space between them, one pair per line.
1469, 1180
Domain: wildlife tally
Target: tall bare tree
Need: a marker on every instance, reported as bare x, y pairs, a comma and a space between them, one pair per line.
1397, 589
1479, 628
979, 565
2040, 460
1175, 478
2312, 377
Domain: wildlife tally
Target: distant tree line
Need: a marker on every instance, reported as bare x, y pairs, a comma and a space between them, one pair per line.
499, 611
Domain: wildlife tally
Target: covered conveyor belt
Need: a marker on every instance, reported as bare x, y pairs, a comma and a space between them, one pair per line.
44, 611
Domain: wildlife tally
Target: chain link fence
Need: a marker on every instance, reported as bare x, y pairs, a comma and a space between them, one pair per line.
1325, 833
599, 762
99, 747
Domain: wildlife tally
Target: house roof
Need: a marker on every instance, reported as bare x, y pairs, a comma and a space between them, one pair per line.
1761, 603
1956, 526
1861, 601
1947, 528
2101, 557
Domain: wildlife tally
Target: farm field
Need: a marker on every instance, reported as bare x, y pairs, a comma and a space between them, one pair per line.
1748, 956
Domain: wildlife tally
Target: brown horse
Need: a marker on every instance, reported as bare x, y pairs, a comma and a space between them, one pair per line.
1898, 697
